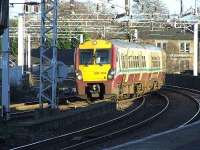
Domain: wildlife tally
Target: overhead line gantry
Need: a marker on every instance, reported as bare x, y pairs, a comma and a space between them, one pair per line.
48, 53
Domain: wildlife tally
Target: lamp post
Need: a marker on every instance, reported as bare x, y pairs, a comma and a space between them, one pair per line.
196, 41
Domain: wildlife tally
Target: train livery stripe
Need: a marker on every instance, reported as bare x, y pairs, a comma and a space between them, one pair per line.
139, 69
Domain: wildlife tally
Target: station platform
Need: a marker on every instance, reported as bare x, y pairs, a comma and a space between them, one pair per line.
183, 138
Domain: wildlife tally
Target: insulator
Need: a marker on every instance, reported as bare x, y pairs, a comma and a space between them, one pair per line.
112, 6
72, 2
97, 7
142, 7
155, 9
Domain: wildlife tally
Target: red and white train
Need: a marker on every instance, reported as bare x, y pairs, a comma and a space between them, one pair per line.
119, 68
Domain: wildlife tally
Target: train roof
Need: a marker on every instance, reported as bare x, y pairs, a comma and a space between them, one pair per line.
126, 44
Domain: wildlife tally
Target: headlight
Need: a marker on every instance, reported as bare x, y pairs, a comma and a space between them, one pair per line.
79, 75
111, 74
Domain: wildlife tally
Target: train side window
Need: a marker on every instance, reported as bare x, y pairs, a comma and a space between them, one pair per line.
132, 61
135, 61
138, 65
127, 61
123, 64
130, 57
143, 62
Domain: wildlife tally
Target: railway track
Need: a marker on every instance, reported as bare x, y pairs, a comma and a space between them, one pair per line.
193, 95
102, 131
181, 108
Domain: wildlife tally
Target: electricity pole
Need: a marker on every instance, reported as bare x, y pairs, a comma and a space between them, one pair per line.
48, 53
5, 68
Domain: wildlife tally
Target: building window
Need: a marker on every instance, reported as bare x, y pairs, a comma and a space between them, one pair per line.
162, 44
158, 45
182, 47
36, 9
185, 47
26, 8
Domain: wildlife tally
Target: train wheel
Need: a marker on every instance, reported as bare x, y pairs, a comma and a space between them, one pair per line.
89, 98
101, 96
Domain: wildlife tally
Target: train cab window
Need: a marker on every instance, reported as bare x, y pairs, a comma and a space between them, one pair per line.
102, 56
86, 57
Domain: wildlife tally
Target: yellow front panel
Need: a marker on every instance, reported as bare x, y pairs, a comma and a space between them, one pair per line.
94, 72
93, 44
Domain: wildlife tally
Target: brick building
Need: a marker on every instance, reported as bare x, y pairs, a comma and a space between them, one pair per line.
178, 45
31, 8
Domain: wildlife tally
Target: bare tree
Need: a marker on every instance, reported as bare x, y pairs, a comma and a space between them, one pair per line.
72, 7
149, 7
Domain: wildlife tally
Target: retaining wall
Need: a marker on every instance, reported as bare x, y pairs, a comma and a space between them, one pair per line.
187, 81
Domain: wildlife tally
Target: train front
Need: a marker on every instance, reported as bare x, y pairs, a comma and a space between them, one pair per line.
94, 68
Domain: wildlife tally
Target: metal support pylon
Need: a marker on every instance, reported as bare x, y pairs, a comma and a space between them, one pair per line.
5, 76
48, 53
5, 103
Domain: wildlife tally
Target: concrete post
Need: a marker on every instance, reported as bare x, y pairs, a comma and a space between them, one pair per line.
195, 59
81, 38
29, 51
5, 76
21, 42
136, 34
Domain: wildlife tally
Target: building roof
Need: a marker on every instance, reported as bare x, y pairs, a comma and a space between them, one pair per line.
173, 34
126, 44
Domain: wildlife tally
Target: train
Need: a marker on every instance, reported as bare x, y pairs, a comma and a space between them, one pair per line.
119, 68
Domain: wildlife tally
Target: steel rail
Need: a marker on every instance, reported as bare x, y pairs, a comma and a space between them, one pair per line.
197, 101
124, 129
79, 131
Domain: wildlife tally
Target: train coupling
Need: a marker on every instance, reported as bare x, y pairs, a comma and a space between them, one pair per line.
95, 89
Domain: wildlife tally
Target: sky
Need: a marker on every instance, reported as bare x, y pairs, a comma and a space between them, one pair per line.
172, 5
